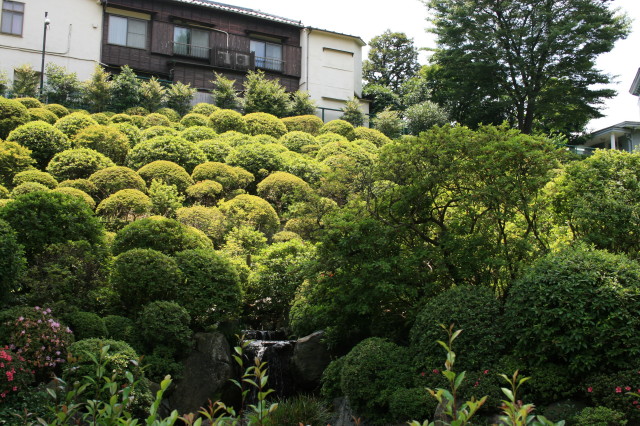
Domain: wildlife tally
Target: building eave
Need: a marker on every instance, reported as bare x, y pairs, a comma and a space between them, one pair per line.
635, 86
242, 11
357, 39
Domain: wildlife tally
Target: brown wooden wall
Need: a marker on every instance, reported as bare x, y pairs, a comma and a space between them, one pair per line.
158, 59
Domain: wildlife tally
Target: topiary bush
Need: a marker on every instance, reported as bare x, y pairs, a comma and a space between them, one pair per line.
372, 371
261, 123
304, 123
137, 111
77, 163
113, 179
256, 158
205, 192
71, 124
164, 323
264, 139
198, 133
28, 188
300, 409
59, 110
86, 325
253, 211
119, 327
42, 114
406, 404
131, 132
235, 138
14, 158
340, 127
155, 119
229, 177
472, 309
611, 390
194, 119
154, 131
29, 102
224, 120
169, 148
349, 149
125, 205
294, 141
101, 118
599, 416
209, 220
372, 135
331, 388
282, 189
121, 118
42, 139
574, 308
12, 114
84, 185
204, 108
171, 114
77, 193
328, 137
106, 140
141, 276
214, 149
43, 178
167, 172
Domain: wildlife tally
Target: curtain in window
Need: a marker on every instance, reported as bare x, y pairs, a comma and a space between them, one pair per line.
137, 34
117, 30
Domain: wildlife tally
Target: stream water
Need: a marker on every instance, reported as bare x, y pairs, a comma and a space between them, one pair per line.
272, 347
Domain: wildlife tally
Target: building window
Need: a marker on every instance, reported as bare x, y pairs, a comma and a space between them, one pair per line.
127, 32
12, 17
191, 42
268, 55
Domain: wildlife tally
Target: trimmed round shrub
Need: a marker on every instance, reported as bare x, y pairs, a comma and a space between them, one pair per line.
235, 138
340, 127
193, 119
137, 111
77, 163
472, 309
262, 123
264, 139
300, 409
372, 371
214, 149
209, 220
198, 133
101, 118
57, 109
42, 114
12, 114
304, 123
294, 141
164, 323
86, 325
42, 139
328, 137
224, 120
611, 390
229, 177
349, 149
29, 102
171, 114
142, 275
168, 173
126, 205
106, 140
155, 119
113, 179
12, 261
158, 233
576, 308
599, 416
121, 118
282, 189
283, 236
372, 135
169, 148
211, 290
84, 185
71, 124
331, 388
120, 327
154, 131
308, 169
408, 404
27, 188
205, 192
43, 218
256, 158
35, 176
78, 193
130, 131
251, 211
4, 192
14, 158
204, 108
368, 146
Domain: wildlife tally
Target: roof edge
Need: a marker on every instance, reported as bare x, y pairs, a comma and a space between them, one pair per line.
635, 86
356, 38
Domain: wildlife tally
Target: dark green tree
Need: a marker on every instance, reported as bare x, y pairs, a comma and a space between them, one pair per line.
224, 93
61, 87
393, 59
528, 61
125, 89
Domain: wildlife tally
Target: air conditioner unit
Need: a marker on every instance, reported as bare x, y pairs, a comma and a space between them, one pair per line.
223, 58
243, 60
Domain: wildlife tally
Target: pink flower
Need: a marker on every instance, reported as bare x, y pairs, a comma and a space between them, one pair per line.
627, 388
589, 389
435, 371
486, 371
635, 402
476, 384
422, 374
618, 389
15, 388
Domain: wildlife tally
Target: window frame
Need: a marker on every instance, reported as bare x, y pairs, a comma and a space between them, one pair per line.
128, 32
188, 48
263, 61
12, 14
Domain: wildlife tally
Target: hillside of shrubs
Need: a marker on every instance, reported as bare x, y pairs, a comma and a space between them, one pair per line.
125, 231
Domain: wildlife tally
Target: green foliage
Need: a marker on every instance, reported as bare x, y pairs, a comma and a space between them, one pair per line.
101, 117
574, 308
282, 189
179, 96
207, 219
169, 148
27, 188
106, 140
163, 323
125, 89
12, 260
244, 241
349, 149
77, 163
251, 211
382, 98
35, 176
351, 112
14, 158
204, 108
82, 184
600, 416
86, 325
25, 81
125, 205
198, 133
229, 177
224, 93
78, 193
30, 102
165, 199
12, 114
152, 94
58, 110
262, 123
300, 409
42, 114
340, 127
43, 139
264, 95
110, 180
166, 235
304, 123
4, 82
211, 289
205, 192
131, 131
155, 119
43, 218
411, 403
392, 60
153, 131
372, 135
167, 172
224, 120
143, 275
215, 149
234, 138
295, 140
194, 119
120, 327
325, 138
371, 372
73, 123
171, 114
97, 90
423, 116
330, 380
257, 159
389, 123
137, 111
16, 375
301, 104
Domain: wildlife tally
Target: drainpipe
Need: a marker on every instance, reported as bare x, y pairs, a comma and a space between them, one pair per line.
223, 32
613, 141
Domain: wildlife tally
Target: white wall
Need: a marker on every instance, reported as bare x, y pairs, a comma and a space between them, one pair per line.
73, 38
331, 69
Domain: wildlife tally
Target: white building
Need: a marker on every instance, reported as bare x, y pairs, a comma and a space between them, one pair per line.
73, 37
331, 70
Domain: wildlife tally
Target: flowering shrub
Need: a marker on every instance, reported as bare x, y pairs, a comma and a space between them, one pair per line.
14, 372
615, 391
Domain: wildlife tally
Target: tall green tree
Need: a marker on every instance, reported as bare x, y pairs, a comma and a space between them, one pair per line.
393, 59
126, 89
61, 87
529, 61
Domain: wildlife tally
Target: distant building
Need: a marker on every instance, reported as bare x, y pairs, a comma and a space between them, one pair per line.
73, 37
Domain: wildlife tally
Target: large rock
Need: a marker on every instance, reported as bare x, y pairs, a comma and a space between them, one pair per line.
207, 371
310, 358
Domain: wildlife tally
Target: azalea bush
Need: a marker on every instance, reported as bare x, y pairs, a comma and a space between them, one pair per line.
15, 374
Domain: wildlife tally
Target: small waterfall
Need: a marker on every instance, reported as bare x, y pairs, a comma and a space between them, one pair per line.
272, 348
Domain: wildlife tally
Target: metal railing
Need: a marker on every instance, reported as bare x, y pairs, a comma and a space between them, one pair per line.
270, 64
185, 49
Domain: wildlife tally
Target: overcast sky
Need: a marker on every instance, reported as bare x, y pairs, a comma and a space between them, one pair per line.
367, 19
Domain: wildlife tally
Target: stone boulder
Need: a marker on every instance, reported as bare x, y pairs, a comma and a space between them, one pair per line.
207, 370
310, 358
